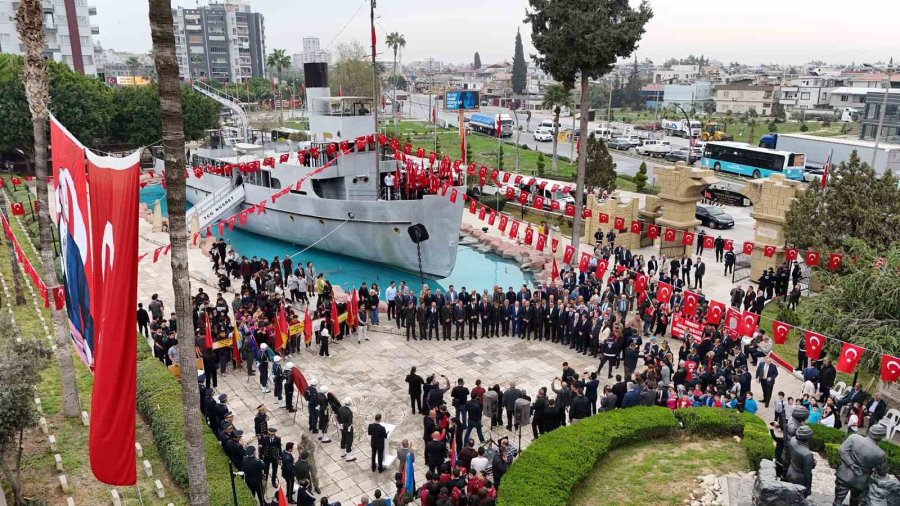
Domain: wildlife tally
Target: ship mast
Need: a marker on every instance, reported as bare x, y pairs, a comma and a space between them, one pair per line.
375, 102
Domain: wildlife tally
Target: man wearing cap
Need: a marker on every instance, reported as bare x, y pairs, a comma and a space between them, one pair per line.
860, 458
264, 368
801, 459
278, 378
253, 469
225, 430
289, 387
287, 470
323, 408
234, 450
270, 447
323, 340
220, 410
261, 422
377, 437
312, 403
209, 407
345, 423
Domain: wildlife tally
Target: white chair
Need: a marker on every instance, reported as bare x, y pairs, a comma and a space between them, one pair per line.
891, 420
838, 390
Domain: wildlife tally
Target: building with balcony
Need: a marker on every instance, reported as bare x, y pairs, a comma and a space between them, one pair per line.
312, 53
68, 31
222, 41
890, 130
807, 92
676, 74
741, 97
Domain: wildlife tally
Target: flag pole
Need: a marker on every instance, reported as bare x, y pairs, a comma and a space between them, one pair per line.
374, 90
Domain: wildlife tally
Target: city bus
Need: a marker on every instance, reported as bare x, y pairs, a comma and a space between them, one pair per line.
746, 160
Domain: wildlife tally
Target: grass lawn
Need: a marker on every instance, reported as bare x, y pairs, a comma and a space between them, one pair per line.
643, 474
39, 476
788, 350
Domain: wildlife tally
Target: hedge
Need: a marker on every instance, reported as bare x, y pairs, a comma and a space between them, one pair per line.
159, 401
826, 441
549, 469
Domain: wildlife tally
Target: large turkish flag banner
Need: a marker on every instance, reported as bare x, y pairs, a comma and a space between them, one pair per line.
715, 312
850, 355
663, 292
114, 237
814, 344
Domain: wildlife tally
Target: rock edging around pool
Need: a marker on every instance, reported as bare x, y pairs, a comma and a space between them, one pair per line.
537, 263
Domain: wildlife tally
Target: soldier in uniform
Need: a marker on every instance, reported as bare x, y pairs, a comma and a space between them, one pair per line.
308, 454
234, 449
801, 459
254, 469
323, 409
459, 318
261, 422
446, 320
287, 470
472, 316
312, 404
278, 378
263, 368
289, 387
345, 422
409, 320
270, 447
860, 458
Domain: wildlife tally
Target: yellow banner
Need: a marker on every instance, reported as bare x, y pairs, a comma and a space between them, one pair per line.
222, 343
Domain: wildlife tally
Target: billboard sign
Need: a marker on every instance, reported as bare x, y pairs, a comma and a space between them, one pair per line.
467, 100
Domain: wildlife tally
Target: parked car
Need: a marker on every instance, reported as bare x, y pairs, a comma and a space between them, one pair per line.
681, 154
543, 134
654, 148
620, 143
635, 140
713, 217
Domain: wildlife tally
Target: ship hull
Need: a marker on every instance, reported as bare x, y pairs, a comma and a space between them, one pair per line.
376, 232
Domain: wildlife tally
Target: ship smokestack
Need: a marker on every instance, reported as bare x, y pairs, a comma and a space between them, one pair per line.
316, 78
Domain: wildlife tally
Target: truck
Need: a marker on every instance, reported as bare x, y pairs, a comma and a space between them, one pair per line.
681, 128
819, 149
487, 124
654, 149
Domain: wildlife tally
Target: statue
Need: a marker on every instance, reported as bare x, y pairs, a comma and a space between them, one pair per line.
798, 419
801, 459
884, 491
860, 458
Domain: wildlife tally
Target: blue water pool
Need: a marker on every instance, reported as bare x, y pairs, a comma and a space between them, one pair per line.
473, 268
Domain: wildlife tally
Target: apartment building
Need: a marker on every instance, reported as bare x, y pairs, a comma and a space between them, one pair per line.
807, 92
741, 97
890, 131
223, 41
312, 53
68, 31
677, 74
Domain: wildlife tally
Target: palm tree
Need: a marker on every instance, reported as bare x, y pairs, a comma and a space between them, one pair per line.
163, 35
396, 42
30, 25
556, 96
133, 64
279, 60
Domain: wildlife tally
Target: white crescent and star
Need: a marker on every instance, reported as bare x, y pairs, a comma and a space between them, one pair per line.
893, 366
815, 339
781, 329
850, 351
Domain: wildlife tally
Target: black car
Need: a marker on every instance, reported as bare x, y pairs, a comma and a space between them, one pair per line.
713, 217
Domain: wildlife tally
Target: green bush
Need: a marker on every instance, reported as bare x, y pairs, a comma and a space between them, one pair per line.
823, 436
550, 468
159, 402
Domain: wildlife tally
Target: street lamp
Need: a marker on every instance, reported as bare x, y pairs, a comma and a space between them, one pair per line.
889, 70
691, 145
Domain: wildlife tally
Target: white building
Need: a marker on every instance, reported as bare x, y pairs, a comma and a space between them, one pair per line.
312, 53
688, 95
806, 92
676, 74
848, 96
74, 47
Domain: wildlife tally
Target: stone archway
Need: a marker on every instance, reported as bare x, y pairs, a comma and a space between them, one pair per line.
772, 198
615, 206
675, 206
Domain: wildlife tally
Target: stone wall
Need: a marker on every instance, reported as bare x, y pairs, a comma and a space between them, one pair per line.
616, 206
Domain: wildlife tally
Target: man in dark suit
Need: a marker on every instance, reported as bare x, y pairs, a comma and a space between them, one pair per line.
486, 311
515, 316
253, 469
827, 375
855, 394
766, 372
435, 452
699, 272
472, 315
875, 410
459, 319
527, 319
433, 319
377, 437
446, 320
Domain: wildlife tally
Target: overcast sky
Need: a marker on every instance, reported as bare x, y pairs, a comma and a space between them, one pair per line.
759, 31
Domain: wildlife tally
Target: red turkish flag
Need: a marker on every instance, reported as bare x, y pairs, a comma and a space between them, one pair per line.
503, 221
790, 254
505, 177
567, 255
570, 210
453, 194
748, 248
653, 231
523, 197
481, 212
664, 292
603, 218
554, 188
636, 227
514, 230
470, 169
814, 344
541, 242
669, 235
780, 331
554, 205
491, 217
732, 323
472, 206
748, 323
708, 241
890, 368
691, 301
640, 283
769, 251
850, 355
585, 260
811, 258
517, 179
586, 213
554, 243
510, 192
554, 272
619, 223
715, 312
529, 235
687, 238
729, 245
602, 265
18, 209
538, 202
834, 261
494, 174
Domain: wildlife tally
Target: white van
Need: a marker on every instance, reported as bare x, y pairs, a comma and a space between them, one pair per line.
548, 123
602, 133
654, 148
